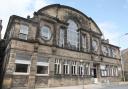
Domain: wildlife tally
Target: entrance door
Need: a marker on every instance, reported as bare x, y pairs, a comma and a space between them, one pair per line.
95, 66
95, 73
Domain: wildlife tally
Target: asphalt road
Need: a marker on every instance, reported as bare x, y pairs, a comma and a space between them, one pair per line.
123, 86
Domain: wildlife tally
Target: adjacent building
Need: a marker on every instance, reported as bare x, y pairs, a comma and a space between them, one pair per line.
2, 48
124, 57
58, 46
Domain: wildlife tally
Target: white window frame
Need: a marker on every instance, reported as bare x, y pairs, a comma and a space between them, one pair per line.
66, 67
22, 61
74, 68
58, 66
42, 63
87, 69
81, 69
23, 32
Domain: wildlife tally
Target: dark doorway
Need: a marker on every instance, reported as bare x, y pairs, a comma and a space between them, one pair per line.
95, 70
95, 74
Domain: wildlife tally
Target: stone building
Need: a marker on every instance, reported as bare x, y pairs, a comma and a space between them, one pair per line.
124, 56
58, 46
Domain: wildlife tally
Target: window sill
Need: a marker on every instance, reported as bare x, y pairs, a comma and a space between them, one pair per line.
42, 74
20, 73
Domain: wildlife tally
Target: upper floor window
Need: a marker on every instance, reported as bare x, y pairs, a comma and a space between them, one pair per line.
23, 32
42, 66
109, 51
105, 50
72, 35
113, 52
84, 42
45, 32
94, 45
22, 63
61, 38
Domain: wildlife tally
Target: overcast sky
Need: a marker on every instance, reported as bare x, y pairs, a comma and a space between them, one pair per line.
110, 15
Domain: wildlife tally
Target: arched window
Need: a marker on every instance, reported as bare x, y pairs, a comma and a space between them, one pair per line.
72, 35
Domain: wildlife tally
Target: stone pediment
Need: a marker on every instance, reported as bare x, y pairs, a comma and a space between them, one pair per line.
64, 13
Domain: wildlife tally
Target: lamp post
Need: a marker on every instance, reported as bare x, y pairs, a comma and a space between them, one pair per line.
81, 61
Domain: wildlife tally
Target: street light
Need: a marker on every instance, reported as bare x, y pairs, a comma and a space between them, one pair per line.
81, 61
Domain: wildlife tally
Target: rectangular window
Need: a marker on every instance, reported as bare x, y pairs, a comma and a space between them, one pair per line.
81, 69
84, 46
42, 66
21, 68
22, 63
57, 66
103, 69
66, 67
87, 69
61, 38
23, 32
74, 68
113, 53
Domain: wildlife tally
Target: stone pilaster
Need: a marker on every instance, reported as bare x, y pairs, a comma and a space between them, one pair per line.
7, 82
33, 69
51, 66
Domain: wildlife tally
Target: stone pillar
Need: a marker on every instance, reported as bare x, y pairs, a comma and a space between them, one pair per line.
33, 69
7, 81
51, 66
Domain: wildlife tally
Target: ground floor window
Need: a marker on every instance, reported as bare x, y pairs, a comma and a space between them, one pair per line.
108, 71
21, 68
81, 69
74, 68
87, 69
22, 63
66, 67
57, 66
42, 66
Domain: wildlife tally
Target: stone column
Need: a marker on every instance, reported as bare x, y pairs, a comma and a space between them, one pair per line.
7, 81
33, 69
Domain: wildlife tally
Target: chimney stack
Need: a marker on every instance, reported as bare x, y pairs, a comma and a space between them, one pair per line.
0, 27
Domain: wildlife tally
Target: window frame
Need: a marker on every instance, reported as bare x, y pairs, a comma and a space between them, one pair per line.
66, 67
61, 42
71, 34
45, 36
84, 44
42, 63
74, 70
58, 66
20, 61
23, 33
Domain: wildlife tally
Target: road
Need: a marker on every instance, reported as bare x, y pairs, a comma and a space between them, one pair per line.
123, 86
93, 86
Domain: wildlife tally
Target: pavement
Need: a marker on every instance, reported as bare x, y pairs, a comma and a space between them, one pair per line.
119, 85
